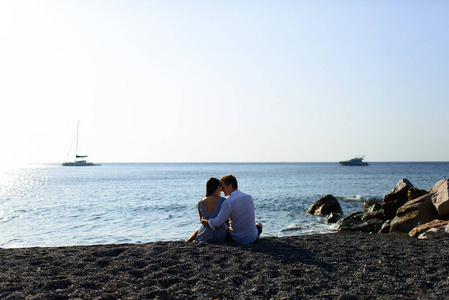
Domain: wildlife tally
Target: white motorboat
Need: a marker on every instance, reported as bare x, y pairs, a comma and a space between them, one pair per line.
357, 161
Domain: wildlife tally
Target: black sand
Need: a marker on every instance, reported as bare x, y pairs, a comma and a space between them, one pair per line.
330, 266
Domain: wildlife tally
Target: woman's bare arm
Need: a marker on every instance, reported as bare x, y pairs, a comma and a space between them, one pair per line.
199, 212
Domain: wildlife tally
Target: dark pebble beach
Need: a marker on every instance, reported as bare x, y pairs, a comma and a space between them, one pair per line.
326, 266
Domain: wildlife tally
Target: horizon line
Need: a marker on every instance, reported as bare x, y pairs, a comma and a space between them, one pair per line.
230, 162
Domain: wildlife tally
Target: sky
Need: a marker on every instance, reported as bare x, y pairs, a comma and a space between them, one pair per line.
224, 81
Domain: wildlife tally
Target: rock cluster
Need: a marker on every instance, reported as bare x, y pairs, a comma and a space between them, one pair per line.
405, 208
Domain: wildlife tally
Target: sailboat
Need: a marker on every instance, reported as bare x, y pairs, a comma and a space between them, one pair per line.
80, 160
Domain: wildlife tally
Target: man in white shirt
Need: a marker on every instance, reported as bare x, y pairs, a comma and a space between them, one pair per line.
239, 209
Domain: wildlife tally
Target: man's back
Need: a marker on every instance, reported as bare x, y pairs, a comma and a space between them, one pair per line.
242, 217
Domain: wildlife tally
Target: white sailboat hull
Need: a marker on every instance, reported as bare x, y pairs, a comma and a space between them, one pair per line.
80, 164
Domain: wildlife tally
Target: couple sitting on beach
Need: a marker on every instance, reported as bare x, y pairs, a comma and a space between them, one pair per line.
231, 219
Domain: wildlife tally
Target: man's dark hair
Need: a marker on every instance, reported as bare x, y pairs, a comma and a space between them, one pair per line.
229, 179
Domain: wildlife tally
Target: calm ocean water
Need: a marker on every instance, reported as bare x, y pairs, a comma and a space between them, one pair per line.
51, 205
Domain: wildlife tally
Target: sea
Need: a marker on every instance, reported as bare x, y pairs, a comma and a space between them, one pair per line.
43, 205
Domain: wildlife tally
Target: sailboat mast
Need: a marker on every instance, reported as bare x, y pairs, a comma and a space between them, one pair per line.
77, 130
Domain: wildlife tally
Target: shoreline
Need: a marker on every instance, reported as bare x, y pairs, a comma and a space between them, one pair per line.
332, 265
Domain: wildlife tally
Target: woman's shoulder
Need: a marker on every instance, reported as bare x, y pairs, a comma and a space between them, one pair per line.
211, 200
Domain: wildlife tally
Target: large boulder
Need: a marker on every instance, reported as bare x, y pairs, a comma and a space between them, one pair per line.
436, 186
413, 213
440, 197
399, 191
325, 206
415, 232
396, 198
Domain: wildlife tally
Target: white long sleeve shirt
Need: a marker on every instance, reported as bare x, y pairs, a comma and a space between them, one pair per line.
239, 208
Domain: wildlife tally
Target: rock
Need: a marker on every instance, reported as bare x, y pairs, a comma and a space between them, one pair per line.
376, 224
413, 213
436, 233
436, 186
334, 217
354, 222
440, 197
399, 192
391, 207
355, 216
415, 232
414, 193
372, 204
385, 227
373, 225
325, 206
377, 214
395, 198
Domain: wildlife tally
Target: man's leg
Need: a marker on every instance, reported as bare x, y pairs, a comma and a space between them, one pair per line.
229, 238
259, 229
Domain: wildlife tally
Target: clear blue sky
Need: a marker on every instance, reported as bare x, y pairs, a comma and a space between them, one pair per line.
224, 81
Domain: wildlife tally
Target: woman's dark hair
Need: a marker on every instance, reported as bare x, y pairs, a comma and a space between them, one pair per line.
211, 186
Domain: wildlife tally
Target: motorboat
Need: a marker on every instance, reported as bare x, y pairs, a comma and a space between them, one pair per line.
80, 160
357, 161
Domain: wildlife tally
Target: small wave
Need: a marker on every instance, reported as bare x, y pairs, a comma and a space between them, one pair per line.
358, 197
7, 219
292, 227
4, 220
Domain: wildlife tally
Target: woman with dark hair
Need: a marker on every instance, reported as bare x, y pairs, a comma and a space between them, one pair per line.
209, 207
